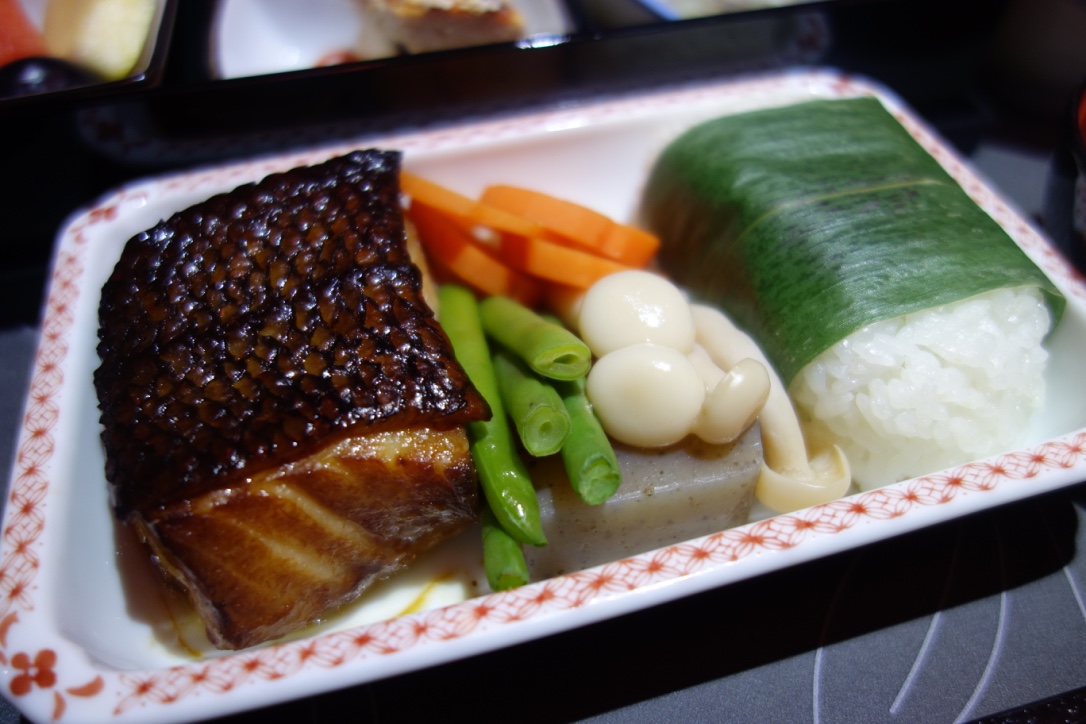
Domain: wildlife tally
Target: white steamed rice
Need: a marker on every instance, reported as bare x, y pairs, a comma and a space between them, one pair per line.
919, 393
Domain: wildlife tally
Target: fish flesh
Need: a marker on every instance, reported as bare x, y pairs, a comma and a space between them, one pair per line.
421, 26
282, 415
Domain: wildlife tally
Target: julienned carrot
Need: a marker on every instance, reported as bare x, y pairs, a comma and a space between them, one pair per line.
573, 222
520, 243
568, 219
465, 210
556, 263
456, 251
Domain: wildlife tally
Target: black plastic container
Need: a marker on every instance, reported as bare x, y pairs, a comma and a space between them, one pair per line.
1065, 195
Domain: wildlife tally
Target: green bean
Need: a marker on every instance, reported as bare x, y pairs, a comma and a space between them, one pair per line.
503, 476
503, 558
587, 454
537, 412
549, 349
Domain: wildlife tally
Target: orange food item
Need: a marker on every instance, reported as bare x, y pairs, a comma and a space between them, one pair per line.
575, 223
19, 37
453, 250
538, 249
564, 301
555, 262
467, 211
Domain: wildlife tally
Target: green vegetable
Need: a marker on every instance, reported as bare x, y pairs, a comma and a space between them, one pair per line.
809, 222
587, 454
503, 558
533, 405
548, 348
506, 485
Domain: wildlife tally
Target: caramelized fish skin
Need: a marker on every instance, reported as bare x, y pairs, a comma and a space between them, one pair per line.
240, 331
260, 332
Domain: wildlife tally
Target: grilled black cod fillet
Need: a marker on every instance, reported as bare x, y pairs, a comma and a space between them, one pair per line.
283, 418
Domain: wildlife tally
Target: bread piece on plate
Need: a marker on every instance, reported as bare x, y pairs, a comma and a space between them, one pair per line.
420, 26
283, 417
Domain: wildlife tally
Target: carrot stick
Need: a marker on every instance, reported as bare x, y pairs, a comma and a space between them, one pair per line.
520, 243
556, 263
453, 250
568, 219
575, 223
467, 211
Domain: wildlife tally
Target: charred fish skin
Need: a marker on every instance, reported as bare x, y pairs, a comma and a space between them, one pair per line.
241, 330
282, 415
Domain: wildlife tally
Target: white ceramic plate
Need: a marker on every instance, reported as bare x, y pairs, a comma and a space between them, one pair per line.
83, 638
257, 37
683, 9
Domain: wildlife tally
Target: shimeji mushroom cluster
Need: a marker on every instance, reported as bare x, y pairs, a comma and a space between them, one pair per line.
666, 368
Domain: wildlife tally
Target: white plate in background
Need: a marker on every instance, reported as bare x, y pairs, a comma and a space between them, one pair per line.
685, 9
259, 37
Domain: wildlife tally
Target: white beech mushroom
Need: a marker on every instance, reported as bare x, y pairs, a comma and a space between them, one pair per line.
790, 479
646, 395
652, 385
635, 306
733, 399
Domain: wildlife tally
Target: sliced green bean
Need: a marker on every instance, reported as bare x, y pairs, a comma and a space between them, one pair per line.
503, 558
548, 348
587, 454
534, 406
503, 476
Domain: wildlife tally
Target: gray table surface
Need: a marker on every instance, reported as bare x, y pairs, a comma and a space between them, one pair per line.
953, 623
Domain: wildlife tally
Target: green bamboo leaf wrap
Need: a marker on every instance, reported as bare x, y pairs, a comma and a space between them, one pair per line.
809, 222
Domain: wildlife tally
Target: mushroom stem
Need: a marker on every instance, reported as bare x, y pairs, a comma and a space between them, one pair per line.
790, 479
733, 398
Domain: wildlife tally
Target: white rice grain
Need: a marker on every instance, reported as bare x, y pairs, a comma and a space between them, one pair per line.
930, 390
